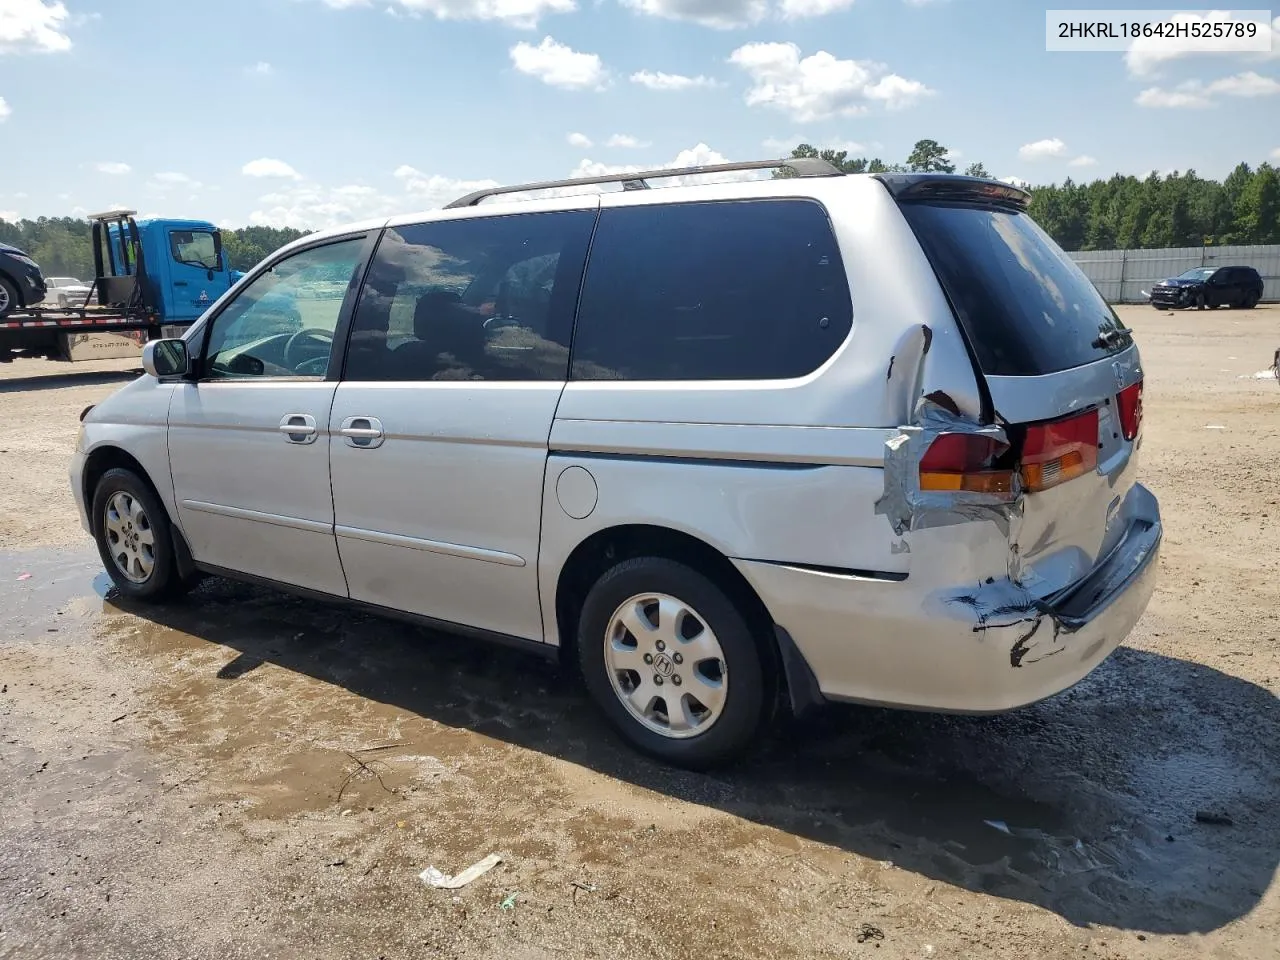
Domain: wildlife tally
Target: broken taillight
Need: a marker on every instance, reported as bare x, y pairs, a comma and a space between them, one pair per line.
963, 462
1130, 403
1055, 452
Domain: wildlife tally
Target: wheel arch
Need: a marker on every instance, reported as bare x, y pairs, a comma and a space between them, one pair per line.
17, 287
612, 545
109, 457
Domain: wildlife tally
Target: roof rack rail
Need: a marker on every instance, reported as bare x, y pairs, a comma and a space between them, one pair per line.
800, 166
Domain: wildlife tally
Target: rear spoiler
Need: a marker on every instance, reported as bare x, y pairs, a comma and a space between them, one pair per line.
906, 187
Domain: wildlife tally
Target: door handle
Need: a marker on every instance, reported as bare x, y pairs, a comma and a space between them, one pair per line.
179, 283
363, 433
298, 428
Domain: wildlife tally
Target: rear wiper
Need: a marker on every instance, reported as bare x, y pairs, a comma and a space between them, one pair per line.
1111, 335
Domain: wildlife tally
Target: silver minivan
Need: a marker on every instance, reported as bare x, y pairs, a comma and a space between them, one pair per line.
726, 447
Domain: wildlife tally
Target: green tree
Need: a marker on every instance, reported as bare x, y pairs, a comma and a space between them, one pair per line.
976, 170
1257, 208
929, 156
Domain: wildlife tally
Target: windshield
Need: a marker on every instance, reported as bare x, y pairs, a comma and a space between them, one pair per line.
1198, 273
197, 248
1027, 308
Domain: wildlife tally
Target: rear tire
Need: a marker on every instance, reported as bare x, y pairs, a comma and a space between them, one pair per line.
134, 538
8, 298
673, 663
1250, 301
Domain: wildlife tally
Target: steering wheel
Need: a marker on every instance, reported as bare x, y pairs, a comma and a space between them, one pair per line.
291, 345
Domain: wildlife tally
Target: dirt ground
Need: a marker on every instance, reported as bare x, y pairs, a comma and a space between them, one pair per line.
248, 775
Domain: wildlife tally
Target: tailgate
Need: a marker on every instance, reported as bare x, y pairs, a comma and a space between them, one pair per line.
1062, 378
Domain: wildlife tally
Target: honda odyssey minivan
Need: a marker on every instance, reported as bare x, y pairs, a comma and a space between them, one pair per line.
724, 448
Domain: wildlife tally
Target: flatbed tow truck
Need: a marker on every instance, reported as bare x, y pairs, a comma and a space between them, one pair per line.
152, 278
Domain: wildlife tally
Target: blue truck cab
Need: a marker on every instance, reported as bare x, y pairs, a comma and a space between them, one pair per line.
179, 265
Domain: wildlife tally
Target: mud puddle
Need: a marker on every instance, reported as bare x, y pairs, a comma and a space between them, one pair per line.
354, 741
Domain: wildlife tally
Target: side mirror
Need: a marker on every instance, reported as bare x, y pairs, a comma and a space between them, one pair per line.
166, 358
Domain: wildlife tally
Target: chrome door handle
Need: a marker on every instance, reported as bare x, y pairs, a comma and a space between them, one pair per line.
298, 428
363, 433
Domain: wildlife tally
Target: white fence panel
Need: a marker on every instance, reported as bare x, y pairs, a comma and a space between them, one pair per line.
1124, 276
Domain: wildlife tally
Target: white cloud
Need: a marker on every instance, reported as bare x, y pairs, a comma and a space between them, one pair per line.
172, 177
579, 140
260, 69
627, 142
113, 167
28, 26
1017, 182
1157, 97
697, 156
523, 14
1147, 54
799, 9
429, 191
670, 81
719, 14
1084, 160
820, 86
1194, 94
1275, 154
5, 110
267, 167
558, 65
1248, 84
1042, 149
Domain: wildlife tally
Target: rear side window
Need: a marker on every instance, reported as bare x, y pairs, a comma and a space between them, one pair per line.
1026, 307
739, 290
485, 298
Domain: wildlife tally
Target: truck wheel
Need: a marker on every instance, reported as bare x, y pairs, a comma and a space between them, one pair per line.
8, 298
134, 538
673, 663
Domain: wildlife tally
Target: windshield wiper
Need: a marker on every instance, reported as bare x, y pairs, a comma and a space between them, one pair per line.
197, 263
1109, 336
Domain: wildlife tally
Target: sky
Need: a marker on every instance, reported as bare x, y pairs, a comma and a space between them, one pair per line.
312, 113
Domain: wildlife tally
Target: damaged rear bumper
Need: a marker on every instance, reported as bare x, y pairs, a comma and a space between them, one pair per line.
968, 649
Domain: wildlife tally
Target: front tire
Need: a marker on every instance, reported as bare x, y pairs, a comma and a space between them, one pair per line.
673, 663
9, 301
134, 538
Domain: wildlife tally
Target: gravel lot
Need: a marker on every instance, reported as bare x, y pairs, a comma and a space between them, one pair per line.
248, 775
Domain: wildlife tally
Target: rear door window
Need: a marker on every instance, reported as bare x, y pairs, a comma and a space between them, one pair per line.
738, 290
1025, 306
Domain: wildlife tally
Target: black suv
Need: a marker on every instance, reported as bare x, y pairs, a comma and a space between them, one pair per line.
21, 283
1211, 287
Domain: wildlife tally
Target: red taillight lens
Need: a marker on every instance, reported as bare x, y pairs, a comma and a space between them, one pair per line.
962, 461
1130, 403
1053, 453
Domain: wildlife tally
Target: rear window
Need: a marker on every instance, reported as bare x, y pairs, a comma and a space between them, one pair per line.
733, 290
1026, 307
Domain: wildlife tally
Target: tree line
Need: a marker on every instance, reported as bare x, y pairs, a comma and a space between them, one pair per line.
63, 246
1179, 209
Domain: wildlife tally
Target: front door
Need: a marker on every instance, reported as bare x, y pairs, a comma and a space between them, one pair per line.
194, 271
459, 353
249, 440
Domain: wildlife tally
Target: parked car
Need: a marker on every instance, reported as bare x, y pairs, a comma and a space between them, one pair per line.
67, 292
640, 430
1211, 287
21, 283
